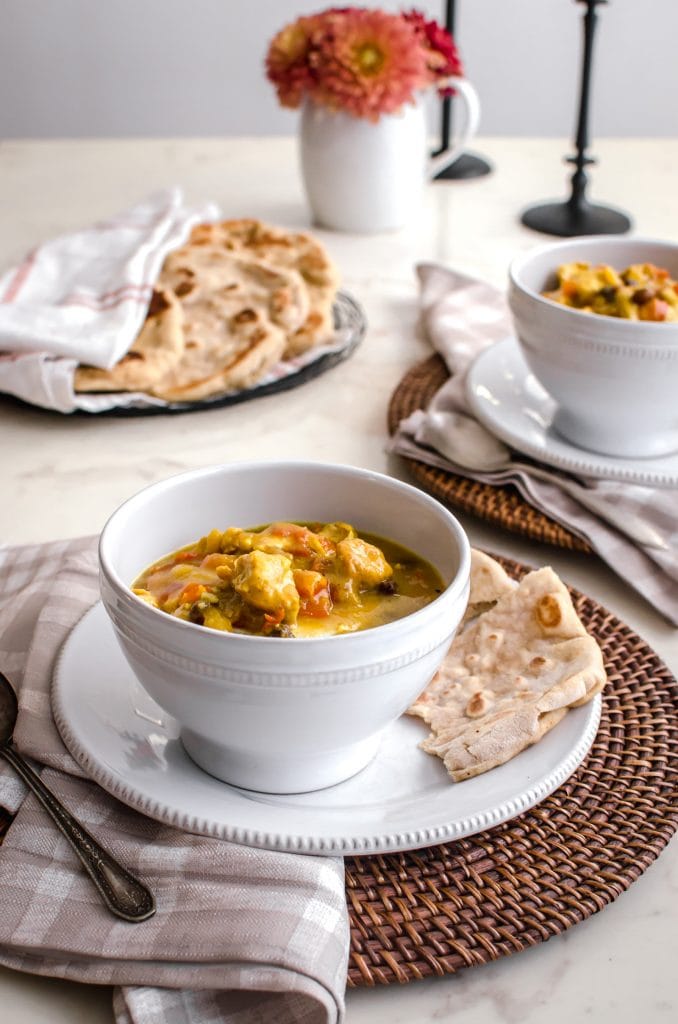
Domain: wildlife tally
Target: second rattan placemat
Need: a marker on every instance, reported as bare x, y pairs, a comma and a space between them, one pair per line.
435, 911
502, 506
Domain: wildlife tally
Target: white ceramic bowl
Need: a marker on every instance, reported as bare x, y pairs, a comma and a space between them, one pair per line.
614, 381
273, 714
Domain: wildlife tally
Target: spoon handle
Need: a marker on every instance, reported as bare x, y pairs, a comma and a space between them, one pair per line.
122, 893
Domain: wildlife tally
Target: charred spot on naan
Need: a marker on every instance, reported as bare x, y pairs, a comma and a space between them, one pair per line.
156, 350
293, 251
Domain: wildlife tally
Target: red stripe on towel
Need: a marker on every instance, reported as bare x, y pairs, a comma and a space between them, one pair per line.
20, 276
109, 300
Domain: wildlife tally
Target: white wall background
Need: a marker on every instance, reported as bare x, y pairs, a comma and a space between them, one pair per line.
195, 67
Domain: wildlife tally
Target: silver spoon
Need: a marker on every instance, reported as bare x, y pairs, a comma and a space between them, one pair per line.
470, 446
122, 893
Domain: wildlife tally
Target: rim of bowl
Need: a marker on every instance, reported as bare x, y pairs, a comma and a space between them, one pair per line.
453, 589
519, 262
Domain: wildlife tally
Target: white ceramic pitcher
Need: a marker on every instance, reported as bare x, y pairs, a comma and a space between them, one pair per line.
362, 176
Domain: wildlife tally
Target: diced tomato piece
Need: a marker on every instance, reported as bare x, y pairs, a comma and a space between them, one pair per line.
289, 530
299, 536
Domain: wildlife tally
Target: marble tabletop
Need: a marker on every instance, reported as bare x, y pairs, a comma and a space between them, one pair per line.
63, 475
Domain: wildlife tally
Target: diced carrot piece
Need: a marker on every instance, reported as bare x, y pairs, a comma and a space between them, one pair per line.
308, 582
655, 309
318, 606
191, 593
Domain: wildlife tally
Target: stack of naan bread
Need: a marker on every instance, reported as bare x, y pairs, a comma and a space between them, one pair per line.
237, 298
521, 660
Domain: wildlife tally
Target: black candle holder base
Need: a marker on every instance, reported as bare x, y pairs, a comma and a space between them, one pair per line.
567, 219
468, 165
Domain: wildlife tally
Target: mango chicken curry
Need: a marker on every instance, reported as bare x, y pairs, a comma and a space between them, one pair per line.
290, 580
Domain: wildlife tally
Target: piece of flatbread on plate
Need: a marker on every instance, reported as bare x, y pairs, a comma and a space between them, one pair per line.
489, 580
156, 350
510, 676
286, 250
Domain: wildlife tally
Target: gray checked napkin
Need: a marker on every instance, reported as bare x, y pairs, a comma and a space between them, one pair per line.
240, 936
463, 316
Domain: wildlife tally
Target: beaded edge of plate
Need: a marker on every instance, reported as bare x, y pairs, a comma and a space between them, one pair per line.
322, 845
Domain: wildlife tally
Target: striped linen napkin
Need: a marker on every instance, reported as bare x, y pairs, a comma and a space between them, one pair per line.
463, 316
240, 936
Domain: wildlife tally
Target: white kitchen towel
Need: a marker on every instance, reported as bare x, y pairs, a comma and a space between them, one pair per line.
83, 297
461, 317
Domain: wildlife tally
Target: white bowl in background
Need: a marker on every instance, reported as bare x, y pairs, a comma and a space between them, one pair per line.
268, 713
615, 381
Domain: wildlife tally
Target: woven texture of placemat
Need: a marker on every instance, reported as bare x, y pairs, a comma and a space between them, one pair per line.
502, 506
437, 910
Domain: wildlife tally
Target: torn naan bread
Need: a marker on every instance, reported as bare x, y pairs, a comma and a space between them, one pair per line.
156, 350
509, 677
286, 250
237, 316
198, 272
489, 580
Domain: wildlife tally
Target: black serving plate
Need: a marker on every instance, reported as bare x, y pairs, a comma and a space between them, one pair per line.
350, 323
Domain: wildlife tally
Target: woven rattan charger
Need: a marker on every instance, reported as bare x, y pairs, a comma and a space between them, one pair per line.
435, 911
502, 506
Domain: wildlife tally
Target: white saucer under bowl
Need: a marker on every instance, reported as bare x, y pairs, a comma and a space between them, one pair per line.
512, 404
403, 800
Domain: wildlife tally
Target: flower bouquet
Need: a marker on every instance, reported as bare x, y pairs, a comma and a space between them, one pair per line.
361, 61
359, 75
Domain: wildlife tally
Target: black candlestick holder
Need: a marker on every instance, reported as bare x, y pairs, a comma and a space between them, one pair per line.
467, 165
577, 216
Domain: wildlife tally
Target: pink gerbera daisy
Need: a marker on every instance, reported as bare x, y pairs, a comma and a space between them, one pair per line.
367, 63
363, 61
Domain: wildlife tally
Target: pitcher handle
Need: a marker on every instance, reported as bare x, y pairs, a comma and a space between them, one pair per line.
466, 91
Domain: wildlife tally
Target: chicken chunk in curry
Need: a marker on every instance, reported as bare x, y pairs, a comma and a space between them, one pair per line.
290, 579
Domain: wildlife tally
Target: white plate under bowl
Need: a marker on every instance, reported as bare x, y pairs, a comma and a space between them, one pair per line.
403, 800
507, 399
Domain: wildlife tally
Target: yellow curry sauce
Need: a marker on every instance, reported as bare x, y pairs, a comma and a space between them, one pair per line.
641, 292
290, 579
